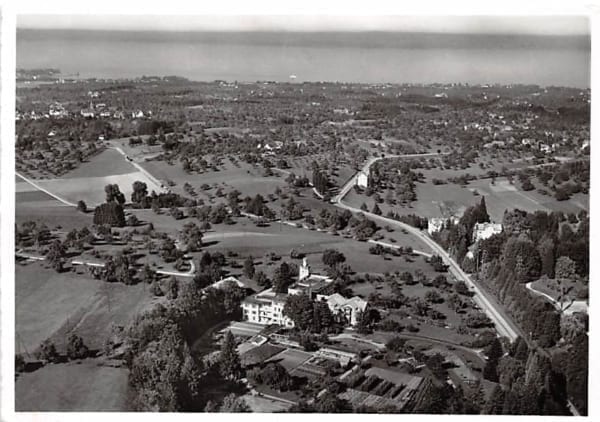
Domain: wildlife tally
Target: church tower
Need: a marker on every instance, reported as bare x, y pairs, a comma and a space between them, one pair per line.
304, 270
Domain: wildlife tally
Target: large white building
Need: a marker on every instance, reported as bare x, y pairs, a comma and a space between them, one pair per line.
266, 307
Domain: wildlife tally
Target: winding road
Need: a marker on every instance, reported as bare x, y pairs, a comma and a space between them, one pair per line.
504, 325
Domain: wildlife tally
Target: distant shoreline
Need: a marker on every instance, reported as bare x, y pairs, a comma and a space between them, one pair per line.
370, 39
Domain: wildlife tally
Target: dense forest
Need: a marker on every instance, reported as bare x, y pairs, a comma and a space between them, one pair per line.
554, 343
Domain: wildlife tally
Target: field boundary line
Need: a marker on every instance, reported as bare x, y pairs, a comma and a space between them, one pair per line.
38, 187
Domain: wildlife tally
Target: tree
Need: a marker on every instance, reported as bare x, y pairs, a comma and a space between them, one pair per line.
56, 255
299, 308
132, 221
366, 319
249, 269
234, 404
262, 280
333, 257
76, 349
113, 193
494, 353
461, 288
273, 375
521, 256
282, 278
192, 236
565, 273
110, 213
81, 206
48, 352
155, 288
396, 344
330, 403
433, 296
455, 302
139, 194
19, 363
546, 249
435, 363
229, 361
438, 264
148, 274
172, 288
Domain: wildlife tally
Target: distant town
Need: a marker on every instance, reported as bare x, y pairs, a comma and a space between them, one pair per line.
234, 246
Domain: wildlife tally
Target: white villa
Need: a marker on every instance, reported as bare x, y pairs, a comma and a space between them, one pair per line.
346, 310
266, 307
483, 231
436, 224
362, 179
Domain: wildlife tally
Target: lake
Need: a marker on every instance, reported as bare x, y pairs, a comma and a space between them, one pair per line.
344, 57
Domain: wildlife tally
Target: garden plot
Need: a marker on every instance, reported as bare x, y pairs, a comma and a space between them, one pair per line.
291, 359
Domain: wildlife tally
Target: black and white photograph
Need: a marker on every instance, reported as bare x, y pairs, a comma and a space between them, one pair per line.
311, 213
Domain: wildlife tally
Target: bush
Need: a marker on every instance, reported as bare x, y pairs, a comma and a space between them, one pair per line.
76, 349
155, 289
81, 206
19, 363
48, 352
396, 344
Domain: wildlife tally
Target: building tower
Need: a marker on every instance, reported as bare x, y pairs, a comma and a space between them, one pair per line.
304, 271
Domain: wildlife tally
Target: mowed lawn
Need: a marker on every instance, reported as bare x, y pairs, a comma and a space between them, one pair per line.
51, 305
73, 386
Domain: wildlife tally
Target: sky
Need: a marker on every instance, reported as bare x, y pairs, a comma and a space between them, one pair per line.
535, 25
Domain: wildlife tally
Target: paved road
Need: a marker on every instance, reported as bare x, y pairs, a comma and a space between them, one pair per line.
140, 168
391, 245
352, 181
504, 325
576, 306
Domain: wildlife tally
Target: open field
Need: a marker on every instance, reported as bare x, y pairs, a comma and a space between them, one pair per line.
86, 182
51, 305
91, 189
73, 386
247, 179
107, 162
52, 213
443, 200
